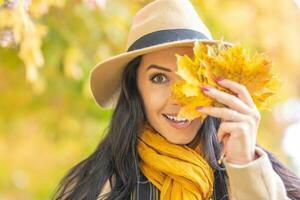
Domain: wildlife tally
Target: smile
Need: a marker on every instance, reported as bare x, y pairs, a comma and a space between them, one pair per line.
175, 122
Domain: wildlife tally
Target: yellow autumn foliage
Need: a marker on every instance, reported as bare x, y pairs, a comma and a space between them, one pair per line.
211, 61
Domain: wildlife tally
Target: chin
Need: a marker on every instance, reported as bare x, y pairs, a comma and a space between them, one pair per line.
179, 140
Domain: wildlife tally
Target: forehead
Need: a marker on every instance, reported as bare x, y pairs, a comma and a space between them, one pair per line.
165, 57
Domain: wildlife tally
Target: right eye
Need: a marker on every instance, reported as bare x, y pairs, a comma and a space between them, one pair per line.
158, 78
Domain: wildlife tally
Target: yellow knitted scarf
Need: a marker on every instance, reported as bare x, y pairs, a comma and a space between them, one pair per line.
178, 171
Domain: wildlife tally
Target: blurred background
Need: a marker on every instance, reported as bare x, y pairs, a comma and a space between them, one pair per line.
48, 118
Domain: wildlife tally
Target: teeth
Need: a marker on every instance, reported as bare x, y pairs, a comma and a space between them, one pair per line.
173, 118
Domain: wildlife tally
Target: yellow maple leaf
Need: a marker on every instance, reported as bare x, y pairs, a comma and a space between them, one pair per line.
219, 60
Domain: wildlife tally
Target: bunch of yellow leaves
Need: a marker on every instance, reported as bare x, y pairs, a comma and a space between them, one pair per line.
218, 60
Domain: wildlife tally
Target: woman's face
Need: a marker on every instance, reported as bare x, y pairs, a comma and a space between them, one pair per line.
156, 74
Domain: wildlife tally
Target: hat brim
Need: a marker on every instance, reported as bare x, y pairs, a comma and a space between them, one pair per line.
105, 77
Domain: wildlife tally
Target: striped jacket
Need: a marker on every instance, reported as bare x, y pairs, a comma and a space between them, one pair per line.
145, 190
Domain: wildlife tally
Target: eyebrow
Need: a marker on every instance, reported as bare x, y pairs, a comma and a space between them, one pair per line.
158, 67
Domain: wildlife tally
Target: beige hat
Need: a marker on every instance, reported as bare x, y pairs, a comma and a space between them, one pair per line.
160, 24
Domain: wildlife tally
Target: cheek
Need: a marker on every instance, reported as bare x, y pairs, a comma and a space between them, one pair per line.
155, 99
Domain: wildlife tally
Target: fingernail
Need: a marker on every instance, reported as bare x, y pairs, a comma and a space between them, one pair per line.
219, 79
199, 107
204, 88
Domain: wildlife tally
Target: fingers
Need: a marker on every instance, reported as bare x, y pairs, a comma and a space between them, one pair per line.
242, 103
225, 114
241, 91
231, 101
234, 129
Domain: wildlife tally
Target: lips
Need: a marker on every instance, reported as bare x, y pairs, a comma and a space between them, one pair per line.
175, 122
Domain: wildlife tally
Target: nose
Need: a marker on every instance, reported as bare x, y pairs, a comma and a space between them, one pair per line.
172, 100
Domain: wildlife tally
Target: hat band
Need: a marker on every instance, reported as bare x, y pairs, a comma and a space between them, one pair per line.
164, 36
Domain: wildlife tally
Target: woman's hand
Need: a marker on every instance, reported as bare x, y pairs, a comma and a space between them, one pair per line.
240, 121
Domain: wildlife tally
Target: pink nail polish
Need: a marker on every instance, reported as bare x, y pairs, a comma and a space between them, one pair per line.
204, 88
219, 79
199, 107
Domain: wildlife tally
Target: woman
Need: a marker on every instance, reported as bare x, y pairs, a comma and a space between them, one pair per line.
148, 153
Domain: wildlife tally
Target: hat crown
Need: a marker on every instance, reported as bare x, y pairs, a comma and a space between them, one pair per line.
165, 14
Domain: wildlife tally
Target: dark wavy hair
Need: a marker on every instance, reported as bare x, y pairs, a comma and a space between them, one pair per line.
117, 153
